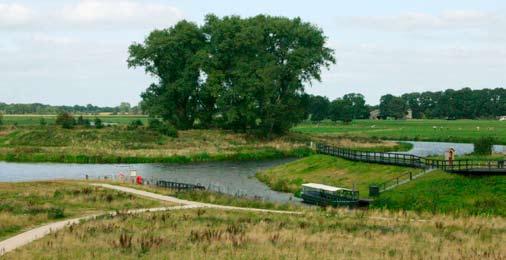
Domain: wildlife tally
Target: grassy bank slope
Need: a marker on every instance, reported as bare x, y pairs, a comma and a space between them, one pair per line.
214, 234
118, 145
331, 171
422, 130
440, 192
24, 205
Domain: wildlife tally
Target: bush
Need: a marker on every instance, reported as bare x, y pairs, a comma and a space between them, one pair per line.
55, 213
162, 128
83, 122
135, 124
1, 119
65, 120
42, 121
98, 123
483, 146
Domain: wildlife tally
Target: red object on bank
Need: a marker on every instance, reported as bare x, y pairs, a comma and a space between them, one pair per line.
139, 179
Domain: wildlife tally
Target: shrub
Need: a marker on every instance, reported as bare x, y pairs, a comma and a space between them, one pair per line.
55, 213
42, 121
1, 119
135, 124
483, 146
83, 122
98, 123
65, 120
162, 127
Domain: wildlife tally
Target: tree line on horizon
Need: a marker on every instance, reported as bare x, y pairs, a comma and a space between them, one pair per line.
43, 109
449, 104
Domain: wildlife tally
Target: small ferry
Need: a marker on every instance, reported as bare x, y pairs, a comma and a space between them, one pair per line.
324, 195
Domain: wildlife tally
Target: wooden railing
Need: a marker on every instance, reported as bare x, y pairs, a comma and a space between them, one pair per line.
458, 166
178, 186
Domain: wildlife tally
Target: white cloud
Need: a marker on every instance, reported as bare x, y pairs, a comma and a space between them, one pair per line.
93, 14
121, 12
422, 21
14, 15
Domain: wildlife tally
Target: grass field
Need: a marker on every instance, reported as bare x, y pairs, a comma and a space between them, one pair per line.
331, 234
465, 131
25, 205
440, 192
331, 171
34, 120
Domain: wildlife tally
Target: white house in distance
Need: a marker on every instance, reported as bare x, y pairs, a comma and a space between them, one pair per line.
502, 118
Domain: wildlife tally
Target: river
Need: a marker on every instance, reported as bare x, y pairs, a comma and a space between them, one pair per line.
235, 178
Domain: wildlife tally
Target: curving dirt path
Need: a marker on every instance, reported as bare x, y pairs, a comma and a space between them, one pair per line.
186, 202
39, 232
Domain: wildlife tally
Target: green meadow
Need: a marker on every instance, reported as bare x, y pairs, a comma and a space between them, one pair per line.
465, 131
440, 192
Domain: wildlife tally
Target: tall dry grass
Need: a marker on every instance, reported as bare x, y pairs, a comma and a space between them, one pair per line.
329, 234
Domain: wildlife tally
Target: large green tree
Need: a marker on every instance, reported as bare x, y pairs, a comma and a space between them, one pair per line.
245, 74
392, 106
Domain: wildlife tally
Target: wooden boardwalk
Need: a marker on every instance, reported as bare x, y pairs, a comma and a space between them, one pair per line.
470, 167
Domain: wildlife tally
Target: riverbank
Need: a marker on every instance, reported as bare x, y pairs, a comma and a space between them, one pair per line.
443, 193
120, 145
329, 170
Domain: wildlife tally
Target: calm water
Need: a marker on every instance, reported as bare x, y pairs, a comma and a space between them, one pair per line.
439, 148
236, 178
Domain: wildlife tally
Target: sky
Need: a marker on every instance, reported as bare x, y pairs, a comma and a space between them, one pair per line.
74, 51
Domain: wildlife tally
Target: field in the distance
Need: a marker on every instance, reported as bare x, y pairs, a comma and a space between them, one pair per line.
34, 120
465, 131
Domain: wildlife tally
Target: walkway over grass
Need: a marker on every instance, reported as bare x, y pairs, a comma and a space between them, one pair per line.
470, 167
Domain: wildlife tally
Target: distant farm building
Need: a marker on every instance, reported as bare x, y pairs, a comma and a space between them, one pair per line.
374, 115
502, 118
409, 114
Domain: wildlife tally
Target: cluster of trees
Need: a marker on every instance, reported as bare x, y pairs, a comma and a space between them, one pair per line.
349, 107
68, 121
452, 104
245, 74
42, 109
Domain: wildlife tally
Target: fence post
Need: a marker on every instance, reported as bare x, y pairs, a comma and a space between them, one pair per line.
410, 176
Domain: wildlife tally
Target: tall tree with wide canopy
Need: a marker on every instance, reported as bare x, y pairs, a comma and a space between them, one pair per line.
259, 66
242, 74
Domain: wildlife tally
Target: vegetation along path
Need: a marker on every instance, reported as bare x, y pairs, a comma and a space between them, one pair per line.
37, 233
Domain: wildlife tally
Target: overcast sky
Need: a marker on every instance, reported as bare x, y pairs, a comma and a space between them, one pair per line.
74, 52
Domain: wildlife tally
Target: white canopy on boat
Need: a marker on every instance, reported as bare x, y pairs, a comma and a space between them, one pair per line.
323, 187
